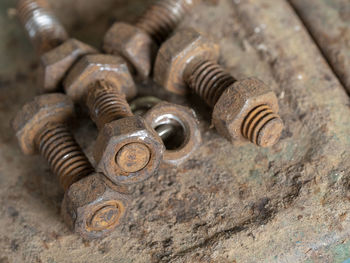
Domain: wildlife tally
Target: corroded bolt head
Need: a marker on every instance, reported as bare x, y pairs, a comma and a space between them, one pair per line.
246, 110
133, 44
92, 68
56, 63
128, 150
169, 113
33, 117
177, 54
92, 207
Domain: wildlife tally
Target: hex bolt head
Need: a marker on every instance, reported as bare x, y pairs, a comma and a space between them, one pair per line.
35, 115
57, 62
128, 150
246, 110
93, 207
138, 44
177, 54
92, 68
133, 44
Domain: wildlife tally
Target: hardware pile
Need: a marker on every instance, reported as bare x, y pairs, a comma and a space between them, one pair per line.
130, 144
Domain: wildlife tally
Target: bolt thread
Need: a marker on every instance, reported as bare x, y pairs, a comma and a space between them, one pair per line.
161, 18
255, 122
209, 80
107, 104
64, 155
41, 25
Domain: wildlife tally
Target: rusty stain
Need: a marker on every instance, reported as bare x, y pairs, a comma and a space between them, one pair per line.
243, 109
138, 43
41, 126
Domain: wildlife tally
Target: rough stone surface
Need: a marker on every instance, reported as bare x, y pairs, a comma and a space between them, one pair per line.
228, 203
329, 24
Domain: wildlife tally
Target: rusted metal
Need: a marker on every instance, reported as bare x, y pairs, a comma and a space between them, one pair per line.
176, 125
138, 43
95, 67
244, 109
57, 52
94, 207
42, 26
91, 206
127, 149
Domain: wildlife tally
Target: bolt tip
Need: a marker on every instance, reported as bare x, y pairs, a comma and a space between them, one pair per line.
133, 157
104, 218
270, 133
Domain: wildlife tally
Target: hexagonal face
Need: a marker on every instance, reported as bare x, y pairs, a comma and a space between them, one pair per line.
176, 54
236, 104
93, 208
33, 116
132, 43
92, 68
56, 63
165, 113
128, 150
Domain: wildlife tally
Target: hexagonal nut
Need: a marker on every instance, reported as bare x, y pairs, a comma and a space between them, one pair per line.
177, 54
175, 115
93, 208
133, 44
56, 63
33, 117
92, 68
248, 110
128, 150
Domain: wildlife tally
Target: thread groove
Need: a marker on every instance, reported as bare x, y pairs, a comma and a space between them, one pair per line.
106, 104
41, 25
162, 18
256, 120
209, 81
63, 154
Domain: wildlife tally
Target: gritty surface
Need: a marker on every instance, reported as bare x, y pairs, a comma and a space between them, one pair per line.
229, 203
329, 24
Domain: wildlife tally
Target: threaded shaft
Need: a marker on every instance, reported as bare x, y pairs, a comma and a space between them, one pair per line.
63, 154
107, 104
162, 18
43, 28
254, 127
209, 80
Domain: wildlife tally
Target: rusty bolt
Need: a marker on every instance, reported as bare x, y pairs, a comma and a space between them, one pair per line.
94, 207
244, 109
91, 207
57, 51
127, 149
95, 67
138, 43
176, 125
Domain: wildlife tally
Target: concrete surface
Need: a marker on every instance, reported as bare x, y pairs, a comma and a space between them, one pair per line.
229, 203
